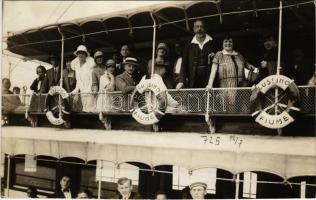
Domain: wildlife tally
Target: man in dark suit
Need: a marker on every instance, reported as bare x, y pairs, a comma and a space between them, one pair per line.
53, 75
125, 188
64, 192
195, 67
125, 82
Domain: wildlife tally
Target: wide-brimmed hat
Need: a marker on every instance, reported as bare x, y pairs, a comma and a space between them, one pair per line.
81, 48
130, 60
192, 185
98, 54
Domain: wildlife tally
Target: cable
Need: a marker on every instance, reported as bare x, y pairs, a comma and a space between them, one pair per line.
56, 8
162, 24
65, 11
168, 172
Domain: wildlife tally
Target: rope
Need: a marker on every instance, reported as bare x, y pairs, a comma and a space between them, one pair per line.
160, 25
168, 172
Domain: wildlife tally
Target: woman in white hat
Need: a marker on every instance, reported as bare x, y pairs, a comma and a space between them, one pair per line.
83, 66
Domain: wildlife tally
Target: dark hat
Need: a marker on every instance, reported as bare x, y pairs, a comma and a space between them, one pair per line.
53, 56
131, 60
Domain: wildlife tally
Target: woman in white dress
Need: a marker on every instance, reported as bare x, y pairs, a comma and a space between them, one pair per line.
83, 66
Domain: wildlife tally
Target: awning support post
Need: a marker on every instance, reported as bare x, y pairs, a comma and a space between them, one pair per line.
100, 177
237, 186
278, 64
303, 190
8, 176
154, 45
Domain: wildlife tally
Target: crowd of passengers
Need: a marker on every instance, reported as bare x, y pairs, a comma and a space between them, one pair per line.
197, 65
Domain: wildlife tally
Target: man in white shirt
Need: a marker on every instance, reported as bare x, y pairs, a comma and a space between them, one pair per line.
64, 192
195, 67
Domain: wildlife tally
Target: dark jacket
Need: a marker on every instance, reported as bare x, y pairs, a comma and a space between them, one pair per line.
35, 84
190, 63
133, 195
60, 195
302, 72
69, 83
50, 80
124, 83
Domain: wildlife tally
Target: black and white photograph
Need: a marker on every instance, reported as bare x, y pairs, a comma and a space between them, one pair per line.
160, 100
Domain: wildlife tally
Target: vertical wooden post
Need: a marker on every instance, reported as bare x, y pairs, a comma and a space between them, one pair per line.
100, 177
237, 187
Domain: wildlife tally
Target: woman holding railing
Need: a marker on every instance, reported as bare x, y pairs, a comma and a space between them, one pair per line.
228, 66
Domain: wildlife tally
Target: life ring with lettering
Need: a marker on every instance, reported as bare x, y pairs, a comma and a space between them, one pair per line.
275, 101
62, 106
149, 100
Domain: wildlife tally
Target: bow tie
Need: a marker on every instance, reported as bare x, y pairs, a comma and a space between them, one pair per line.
66, 190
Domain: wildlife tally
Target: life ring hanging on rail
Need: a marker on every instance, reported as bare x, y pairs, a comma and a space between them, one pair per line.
282, 114
63, 105
148, 109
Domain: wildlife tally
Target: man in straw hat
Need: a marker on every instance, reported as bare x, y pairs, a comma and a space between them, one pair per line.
198, 190
125, 82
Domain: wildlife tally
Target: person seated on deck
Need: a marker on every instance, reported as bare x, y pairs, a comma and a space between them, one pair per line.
83, 65
125, 82
52, 77
38, 82
106, 84
17, 91
84, 194
125, 189
161, 195
69, 77
31, 192
10, 102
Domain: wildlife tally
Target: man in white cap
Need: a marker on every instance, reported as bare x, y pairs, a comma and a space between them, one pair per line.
198, 190
125, 82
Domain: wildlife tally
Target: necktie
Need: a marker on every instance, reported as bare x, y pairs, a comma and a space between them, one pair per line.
55, 76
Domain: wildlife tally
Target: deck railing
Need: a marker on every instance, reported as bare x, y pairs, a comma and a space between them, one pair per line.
222, 101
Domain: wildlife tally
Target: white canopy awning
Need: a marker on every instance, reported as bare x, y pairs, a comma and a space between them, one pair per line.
285, 156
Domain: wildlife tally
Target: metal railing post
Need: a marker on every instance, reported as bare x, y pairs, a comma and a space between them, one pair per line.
8, 176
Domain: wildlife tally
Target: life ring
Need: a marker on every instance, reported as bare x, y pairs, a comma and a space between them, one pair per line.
282, 113
65, 108
143, 110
